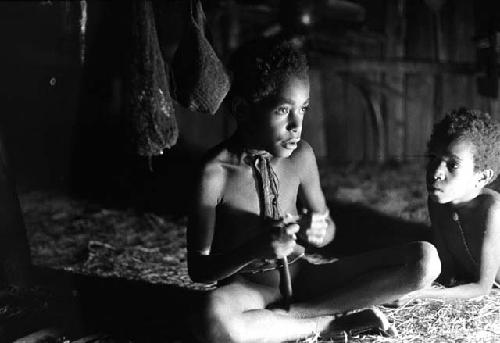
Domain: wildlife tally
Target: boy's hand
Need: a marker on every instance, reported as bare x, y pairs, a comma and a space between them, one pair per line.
283, 238
313, 227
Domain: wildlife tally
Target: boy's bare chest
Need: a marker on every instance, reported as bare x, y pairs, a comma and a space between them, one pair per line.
239, 211
243, 192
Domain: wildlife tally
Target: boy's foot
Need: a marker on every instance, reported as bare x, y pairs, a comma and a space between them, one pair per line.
368, 321
395, 304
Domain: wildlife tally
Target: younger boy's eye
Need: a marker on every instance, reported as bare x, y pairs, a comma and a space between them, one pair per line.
453, 165
304, 109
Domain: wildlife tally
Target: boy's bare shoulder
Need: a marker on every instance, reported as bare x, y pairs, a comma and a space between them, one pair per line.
212, 167
303, 153
217, 155
303, 157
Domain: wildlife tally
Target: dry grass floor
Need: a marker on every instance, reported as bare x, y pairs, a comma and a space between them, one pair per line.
78, 236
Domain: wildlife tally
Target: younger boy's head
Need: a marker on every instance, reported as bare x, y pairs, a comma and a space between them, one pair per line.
464, 155
270, 93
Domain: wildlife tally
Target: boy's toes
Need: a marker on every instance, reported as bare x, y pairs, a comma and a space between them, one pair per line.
334, 336
390, 332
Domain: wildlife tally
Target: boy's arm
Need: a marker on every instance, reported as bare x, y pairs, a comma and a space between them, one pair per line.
488, 265
312, 198
204, 266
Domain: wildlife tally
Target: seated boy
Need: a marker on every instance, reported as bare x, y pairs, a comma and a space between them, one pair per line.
246, 217
464, 157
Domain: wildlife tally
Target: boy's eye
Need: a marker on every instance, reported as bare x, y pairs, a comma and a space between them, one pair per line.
304, 109
283, 110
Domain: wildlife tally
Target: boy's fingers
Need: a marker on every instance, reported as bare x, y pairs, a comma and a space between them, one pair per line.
292, 229
290, 218
320, 216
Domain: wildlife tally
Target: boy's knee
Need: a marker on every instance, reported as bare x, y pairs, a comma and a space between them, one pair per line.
424, 265
222, 322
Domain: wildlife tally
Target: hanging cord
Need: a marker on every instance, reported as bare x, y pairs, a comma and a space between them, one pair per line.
456, 219
270, 209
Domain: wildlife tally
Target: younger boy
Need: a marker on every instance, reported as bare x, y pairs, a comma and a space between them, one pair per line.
251, 190
464, 157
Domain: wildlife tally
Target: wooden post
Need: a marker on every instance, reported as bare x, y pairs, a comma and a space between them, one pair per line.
15, 260
394, 105
314, 124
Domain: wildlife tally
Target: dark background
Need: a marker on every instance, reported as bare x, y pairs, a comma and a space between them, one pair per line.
382, 72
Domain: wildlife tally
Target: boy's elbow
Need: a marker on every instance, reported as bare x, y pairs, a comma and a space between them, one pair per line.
484, 289
479, 289
196, 275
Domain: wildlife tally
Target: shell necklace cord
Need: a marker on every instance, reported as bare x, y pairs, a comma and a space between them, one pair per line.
456, 218
269, 208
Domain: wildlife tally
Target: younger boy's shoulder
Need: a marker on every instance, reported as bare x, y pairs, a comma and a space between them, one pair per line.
489, 199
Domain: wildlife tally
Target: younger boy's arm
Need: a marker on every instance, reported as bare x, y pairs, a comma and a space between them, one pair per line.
320, 228
489, 264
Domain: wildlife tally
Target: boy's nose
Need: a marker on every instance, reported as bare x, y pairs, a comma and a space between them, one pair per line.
294, 122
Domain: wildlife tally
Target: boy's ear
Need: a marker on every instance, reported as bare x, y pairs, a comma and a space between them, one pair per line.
485, 177
239, 108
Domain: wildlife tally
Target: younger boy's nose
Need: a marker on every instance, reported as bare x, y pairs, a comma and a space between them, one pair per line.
439, 173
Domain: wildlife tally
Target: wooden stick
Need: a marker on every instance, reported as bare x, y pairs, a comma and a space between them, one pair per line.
285, 282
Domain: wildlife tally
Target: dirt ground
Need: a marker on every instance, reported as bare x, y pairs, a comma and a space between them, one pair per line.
82, 237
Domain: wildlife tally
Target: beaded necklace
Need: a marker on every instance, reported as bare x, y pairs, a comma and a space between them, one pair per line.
456, 218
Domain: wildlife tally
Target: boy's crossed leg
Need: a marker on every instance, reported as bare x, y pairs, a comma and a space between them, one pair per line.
238, 311
359, 281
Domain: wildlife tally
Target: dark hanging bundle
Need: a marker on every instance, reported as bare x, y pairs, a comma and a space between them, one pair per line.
200, 81
149, 105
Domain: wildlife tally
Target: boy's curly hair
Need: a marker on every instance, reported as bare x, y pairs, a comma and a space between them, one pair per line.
261, 66
475, 126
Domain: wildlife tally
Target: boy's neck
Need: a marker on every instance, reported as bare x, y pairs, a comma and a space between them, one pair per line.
242, 142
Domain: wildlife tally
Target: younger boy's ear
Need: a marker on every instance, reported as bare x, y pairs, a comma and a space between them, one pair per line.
486, 176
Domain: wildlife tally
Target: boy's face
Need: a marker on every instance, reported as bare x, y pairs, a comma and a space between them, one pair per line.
278, 119
451, 177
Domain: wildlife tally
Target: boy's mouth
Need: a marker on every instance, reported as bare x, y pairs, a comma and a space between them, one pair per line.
291, 143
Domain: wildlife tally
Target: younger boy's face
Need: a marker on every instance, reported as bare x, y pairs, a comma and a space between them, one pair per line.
278, 119
451, 177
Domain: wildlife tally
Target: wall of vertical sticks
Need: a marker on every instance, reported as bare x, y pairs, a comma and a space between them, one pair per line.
381, 104
376, 89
